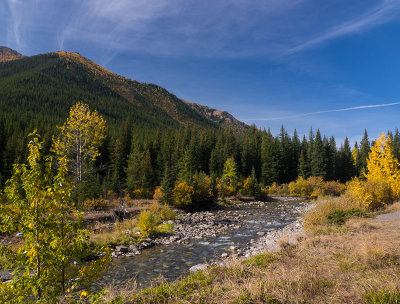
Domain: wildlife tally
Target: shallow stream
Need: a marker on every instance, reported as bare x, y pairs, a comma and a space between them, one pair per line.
174, 260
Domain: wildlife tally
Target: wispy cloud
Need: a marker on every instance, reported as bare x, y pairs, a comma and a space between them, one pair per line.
383, 13
13, 30
218, 28
325, 111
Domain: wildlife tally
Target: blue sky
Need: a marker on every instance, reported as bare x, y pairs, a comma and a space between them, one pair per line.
271, 62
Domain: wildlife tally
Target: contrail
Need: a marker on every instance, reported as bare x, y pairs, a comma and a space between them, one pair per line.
326, 111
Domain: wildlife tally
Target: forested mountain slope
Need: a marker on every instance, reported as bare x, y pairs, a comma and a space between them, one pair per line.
37, 92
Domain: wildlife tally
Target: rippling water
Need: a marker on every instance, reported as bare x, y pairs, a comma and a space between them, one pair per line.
171, 261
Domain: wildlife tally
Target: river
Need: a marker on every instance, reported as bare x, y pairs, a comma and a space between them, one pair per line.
169, 262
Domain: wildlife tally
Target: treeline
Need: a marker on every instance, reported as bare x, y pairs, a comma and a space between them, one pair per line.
139, 162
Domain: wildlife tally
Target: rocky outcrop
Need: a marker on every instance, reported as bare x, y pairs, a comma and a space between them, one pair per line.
7, 54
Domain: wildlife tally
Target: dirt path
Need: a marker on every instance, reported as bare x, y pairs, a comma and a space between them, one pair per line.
394, 216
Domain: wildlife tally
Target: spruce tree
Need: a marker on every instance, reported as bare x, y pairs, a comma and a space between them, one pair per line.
365, 149
318, 157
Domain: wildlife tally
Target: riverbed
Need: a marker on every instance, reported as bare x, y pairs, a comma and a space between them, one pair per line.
169, 262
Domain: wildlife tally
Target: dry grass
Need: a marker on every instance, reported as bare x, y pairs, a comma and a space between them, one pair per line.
317, 217
358, 263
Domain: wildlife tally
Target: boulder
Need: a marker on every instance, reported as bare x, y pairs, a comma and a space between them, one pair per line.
198, 267
122, 249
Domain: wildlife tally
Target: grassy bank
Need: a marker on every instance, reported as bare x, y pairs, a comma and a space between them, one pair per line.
357, 261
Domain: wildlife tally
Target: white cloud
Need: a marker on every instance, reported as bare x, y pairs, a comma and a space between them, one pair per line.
325, 111
383, 13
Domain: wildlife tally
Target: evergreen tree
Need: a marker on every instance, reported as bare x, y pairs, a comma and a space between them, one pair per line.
319, 159
270, 158
365, 149
304, 162
117, 167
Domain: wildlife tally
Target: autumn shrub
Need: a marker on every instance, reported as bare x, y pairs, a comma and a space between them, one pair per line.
136, 194
250, 187
225, 190
95, 204
333, 188
155, 207
301, 187
182, 194
315, 186
147, 223
158, 193
166, 213
372, 193
203, 194
273, 189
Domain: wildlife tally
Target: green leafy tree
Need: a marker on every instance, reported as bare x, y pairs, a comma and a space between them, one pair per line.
38, 204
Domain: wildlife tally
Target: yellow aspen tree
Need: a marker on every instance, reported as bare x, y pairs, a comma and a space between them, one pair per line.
382, 165
80, 137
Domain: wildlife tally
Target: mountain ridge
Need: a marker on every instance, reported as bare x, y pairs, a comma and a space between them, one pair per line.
71, 67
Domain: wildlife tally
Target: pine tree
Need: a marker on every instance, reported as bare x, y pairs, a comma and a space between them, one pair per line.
117, 167
270, 158
347, 161
318, 158
365, 149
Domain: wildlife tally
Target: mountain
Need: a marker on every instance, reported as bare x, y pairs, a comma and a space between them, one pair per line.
7, 54
221, 118
40, 89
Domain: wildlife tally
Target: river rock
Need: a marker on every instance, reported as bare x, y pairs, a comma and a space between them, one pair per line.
198, 267
224, 255
122, 249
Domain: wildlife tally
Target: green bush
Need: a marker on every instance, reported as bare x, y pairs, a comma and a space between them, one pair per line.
339, 217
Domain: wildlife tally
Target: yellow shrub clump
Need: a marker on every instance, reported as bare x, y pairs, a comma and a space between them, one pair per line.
372, 193
166, 213
94, 204
315, 186
158, 193
183, 194
147, 222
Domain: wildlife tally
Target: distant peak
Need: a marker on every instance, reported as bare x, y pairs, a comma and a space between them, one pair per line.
7, 54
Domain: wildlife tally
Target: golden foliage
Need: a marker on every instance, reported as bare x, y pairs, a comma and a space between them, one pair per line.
373, 193
147, 223
94, 204
80, 137
183, 194
383, 166
315, 186
158, 193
